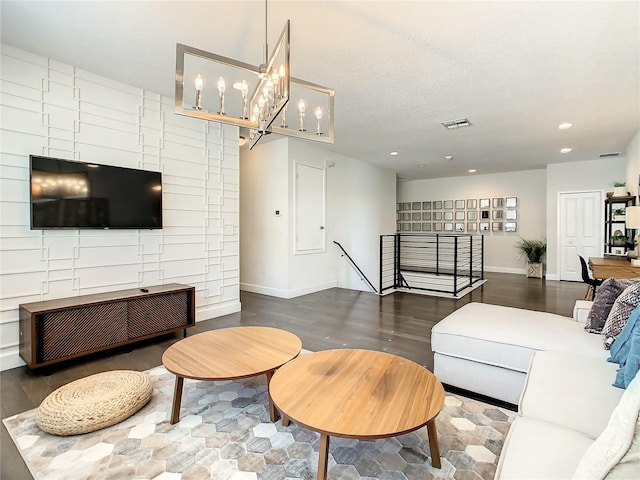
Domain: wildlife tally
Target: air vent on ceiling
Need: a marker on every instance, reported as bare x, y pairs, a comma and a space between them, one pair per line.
401, 179
610, 154
459, 123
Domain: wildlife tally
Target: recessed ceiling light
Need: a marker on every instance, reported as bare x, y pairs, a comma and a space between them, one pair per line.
422, 165
448, 158
472, 170
565, 150
393, 154
565, 125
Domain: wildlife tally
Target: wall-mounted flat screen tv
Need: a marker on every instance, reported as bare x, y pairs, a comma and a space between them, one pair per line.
69, 194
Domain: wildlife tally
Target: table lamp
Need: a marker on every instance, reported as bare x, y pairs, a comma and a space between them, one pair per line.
632, 221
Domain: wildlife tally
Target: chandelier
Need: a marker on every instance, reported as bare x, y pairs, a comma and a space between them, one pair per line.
202, 91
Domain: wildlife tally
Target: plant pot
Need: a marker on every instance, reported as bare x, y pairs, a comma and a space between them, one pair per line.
535, 270
619, 218
620, 191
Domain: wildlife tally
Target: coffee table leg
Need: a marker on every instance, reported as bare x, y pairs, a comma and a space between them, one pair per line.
177, 399
323, 457
433, 444
273, 412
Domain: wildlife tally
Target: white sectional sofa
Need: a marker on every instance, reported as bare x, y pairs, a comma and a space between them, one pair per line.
547, 364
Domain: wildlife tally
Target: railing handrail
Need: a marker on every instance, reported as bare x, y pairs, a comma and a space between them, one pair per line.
354, 265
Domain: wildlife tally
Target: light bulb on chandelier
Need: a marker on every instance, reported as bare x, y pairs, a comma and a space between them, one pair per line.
301, 109
318, 117
221, 89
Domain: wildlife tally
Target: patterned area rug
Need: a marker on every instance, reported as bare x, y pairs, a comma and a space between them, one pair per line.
224, 433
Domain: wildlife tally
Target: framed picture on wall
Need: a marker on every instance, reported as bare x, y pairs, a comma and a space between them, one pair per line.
398, 227
511, 214
459, 227
416, 227
498, 202
448, 215
460, 215
416, 205
472, 227
437, 227
426, 205
426, 227
426, 215
472, 203
497, 214
437, 205
448, 204
437, 215
416, 216
406, 206
496, 226
484, 214
485, 203
484, 226
472, 215
406, 227
448, 227
511, 202
510, 227
459, 204
406, 217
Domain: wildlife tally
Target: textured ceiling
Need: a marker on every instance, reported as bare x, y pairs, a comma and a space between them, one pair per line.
399, 69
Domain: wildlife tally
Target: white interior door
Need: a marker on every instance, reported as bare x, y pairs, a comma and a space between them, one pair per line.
310, 209
580, 226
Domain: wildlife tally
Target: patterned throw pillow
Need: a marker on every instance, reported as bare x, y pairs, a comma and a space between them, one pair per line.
620, 312
606, 295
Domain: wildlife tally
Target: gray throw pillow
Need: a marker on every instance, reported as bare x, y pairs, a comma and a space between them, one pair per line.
606, 295
619, 314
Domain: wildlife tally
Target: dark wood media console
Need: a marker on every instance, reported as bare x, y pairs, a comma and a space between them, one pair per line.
55, 330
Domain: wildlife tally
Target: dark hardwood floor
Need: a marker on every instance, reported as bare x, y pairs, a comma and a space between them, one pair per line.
398, 323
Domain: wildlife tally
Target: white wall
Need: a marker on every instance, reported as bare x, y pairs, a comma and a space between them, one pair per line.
527, 186
264, 250
360, 207
576, 177
54, 109
633, 164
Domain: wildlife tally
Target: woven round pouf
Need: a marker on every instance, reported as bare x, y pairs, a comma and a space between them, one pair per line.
94, 402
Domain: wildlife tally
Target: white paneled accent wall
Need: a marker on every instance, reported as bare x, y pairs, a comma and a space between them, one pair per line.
53, 109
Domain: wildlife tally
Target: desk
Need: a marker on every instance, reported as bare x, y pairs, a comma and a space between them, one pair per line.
613, 267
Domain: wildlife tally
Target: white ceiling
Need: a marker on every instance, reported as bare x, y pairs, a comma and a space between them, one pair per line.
399, 69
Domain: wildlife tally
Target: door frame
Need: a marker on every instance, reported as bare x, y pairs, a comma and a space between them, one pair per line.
558, 218
295, 208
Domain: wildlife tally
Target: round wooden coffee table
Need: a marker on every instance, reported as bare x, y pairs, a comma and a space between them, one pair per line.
358, 394
229, 354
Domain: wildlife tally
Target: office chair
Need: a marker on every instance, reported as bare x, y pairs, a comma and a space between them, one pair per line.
586, 278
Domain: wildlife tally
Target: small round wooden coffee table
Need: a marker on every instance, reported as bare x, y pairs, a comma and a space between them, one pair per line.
359, 394
229, 354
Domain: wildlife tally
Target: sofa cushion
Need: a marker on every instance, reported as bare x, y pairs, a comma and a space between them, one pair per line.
620, 312
571, 391
539, 450
507, 337
606, 296
614, 443
626, 351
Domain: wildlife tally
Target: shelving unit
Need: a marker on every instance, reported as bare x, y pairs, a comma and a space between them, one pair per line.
616, 233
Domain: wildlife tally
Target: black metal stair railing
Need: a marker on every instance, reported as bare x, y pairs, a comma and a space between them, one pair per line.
444, 263
353, 264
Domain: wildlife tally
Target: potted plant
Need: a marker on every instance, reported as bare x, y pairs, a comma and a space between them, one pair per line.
619, 189
618, 239
619, 214
533, 251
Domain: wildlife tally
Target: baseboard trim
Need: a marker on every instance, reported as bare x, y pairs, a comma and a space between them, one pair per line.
287, 294
208, 313
517, 271
10, 358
